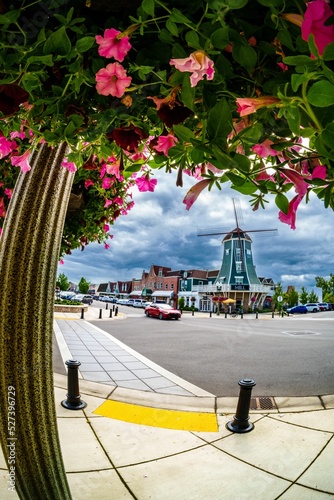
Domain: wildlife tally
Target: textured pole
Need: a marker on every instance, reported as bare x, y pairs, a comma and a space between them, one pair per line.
29, 254
241, 424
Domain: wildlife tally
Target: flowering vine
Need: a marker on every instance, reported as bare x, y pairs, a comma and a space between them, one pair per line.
228, 91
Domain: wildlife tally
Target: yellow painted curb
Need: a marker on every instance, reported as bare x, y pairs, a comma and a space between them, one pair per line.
156, 417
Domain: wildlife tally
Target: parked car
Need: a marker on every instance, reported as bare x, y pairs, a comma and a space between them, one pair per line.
85, 299
323, 306
139, 303
122, 302
162, 311
297, 310
313, 307
129, 302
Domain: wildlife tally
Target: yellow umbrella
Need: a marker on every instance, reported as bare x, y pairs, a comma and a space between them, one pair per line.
229, 301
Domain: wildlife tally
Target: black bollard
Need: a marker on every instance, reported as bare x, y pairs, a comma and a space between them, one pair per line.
192, 312
113, 307
225, 314
116, 311
272, 314
73, 401
241, 423
100, 316
82, 313
210, 314
256, 315
242, 315
110, 314
106, 306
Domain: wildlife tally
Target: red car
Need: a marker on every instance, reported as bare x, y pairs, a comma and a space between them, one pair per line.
162, 311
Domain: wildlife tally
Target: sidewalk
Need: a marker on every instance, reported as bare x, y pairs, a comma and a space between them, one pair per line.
288, 454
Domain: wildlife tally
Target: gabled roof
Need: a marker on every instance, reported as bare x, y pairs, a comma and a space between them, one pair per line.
236, 233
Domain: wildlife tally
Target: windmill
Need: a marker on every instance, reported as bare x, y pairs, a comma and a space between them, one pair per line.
237, 277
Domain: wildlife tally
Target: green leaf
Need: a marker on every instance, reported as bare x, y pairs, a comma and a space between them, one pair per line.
85, 43
298, 60
172, 28
178, 17
192, 39
47, 60
220, 38
197, 156
57, 43
320, 146
297, 80
235, 4
328, 135
245, 55
246, 189
321, 94
328, 54
220, 122
148, 7
293, 117
10, 17
237, 180
183, 133
242, 162
187, 92
282, 202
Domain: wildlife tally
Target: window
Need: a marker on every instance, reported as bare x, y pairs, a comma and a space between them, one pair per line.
227, 251
160, 272
166, 286
238, 280
238, 266
172, 286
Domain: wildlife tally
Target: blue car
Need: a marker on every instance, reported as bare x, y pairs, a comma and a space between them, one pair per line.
297, 310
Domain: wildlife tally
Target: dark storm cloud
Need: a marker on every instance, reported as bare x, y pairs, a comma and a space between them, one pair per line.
159, 230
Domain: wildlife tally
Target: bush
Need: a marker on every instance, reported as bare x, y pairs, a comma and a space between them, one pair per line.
65, 302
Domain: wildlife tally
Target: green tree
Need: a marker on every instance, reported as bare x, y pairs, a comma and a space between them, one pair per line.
62, 282
278, 293
292, 296
328, 297
83, 285
327, 286
304, 296
313, 297
181, 303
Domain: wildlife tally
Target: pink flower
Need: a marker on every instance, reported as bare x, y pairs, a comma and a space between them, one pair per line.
144, 183
112, 80
248, 105
22, 161
20, 135
264, 150
106, 246
2, 208
165, 142
6, 146
88, 183
113, 44
196, 173
106, 228
283, 66
114, 169
316, 15
8, 192
107, 203
107, 183
290, 217
194, 192
198, 64
264, 176
61, 262
69, 165
319, 172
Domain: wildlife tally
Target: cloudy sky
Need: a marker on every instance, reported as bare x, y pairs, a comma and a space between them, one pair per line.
159, 230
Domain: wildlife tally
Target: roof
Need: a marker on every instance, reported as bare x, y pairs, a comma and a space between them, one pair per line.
236, 233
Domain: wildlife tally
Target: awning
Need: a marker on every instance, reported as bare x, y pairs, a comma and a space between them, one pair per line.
146, 291
162, 294
135, 293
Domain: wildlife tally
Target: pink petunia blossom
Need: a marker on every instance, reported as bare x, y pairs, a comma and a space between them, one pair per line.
6, 146
22, 161
290, 217
196, 173
194, 192
112, 80
61, 262
264, 176
315, 17
8, 192
198, 64
69, 165
107, 183
114, 169
21, 134
113, 44
2, 208
106, 246
264, 150
165, 142
88, 183
107, 203
144, 183
248, 105
106, 228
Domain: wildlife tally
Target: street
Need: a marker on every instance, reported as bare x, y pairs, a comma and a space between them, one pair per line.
290, 356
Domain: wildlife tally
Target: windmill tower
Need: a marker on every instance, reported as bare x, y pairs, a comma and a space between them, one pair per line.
237, 278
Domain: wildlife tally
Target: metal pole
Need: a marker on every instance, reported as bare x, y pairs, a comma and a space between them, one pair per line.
240, 424
73, 401
100, 316
82, 313
116, 311
110, 314
106, 306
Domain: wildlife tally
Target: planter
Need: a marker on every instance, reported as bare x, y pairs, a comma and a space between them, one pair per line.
69, 309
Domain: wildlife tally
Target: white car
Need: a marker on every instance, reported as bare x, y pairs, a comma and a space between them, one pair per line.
122, 302
139, 303
312, 307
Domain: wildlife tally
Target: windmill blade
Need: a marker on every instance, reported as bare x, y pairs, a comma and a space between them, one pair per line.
237, 212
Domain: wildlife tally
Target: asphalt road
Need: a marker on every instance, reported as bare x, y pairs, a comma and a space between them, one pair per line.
286, 357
